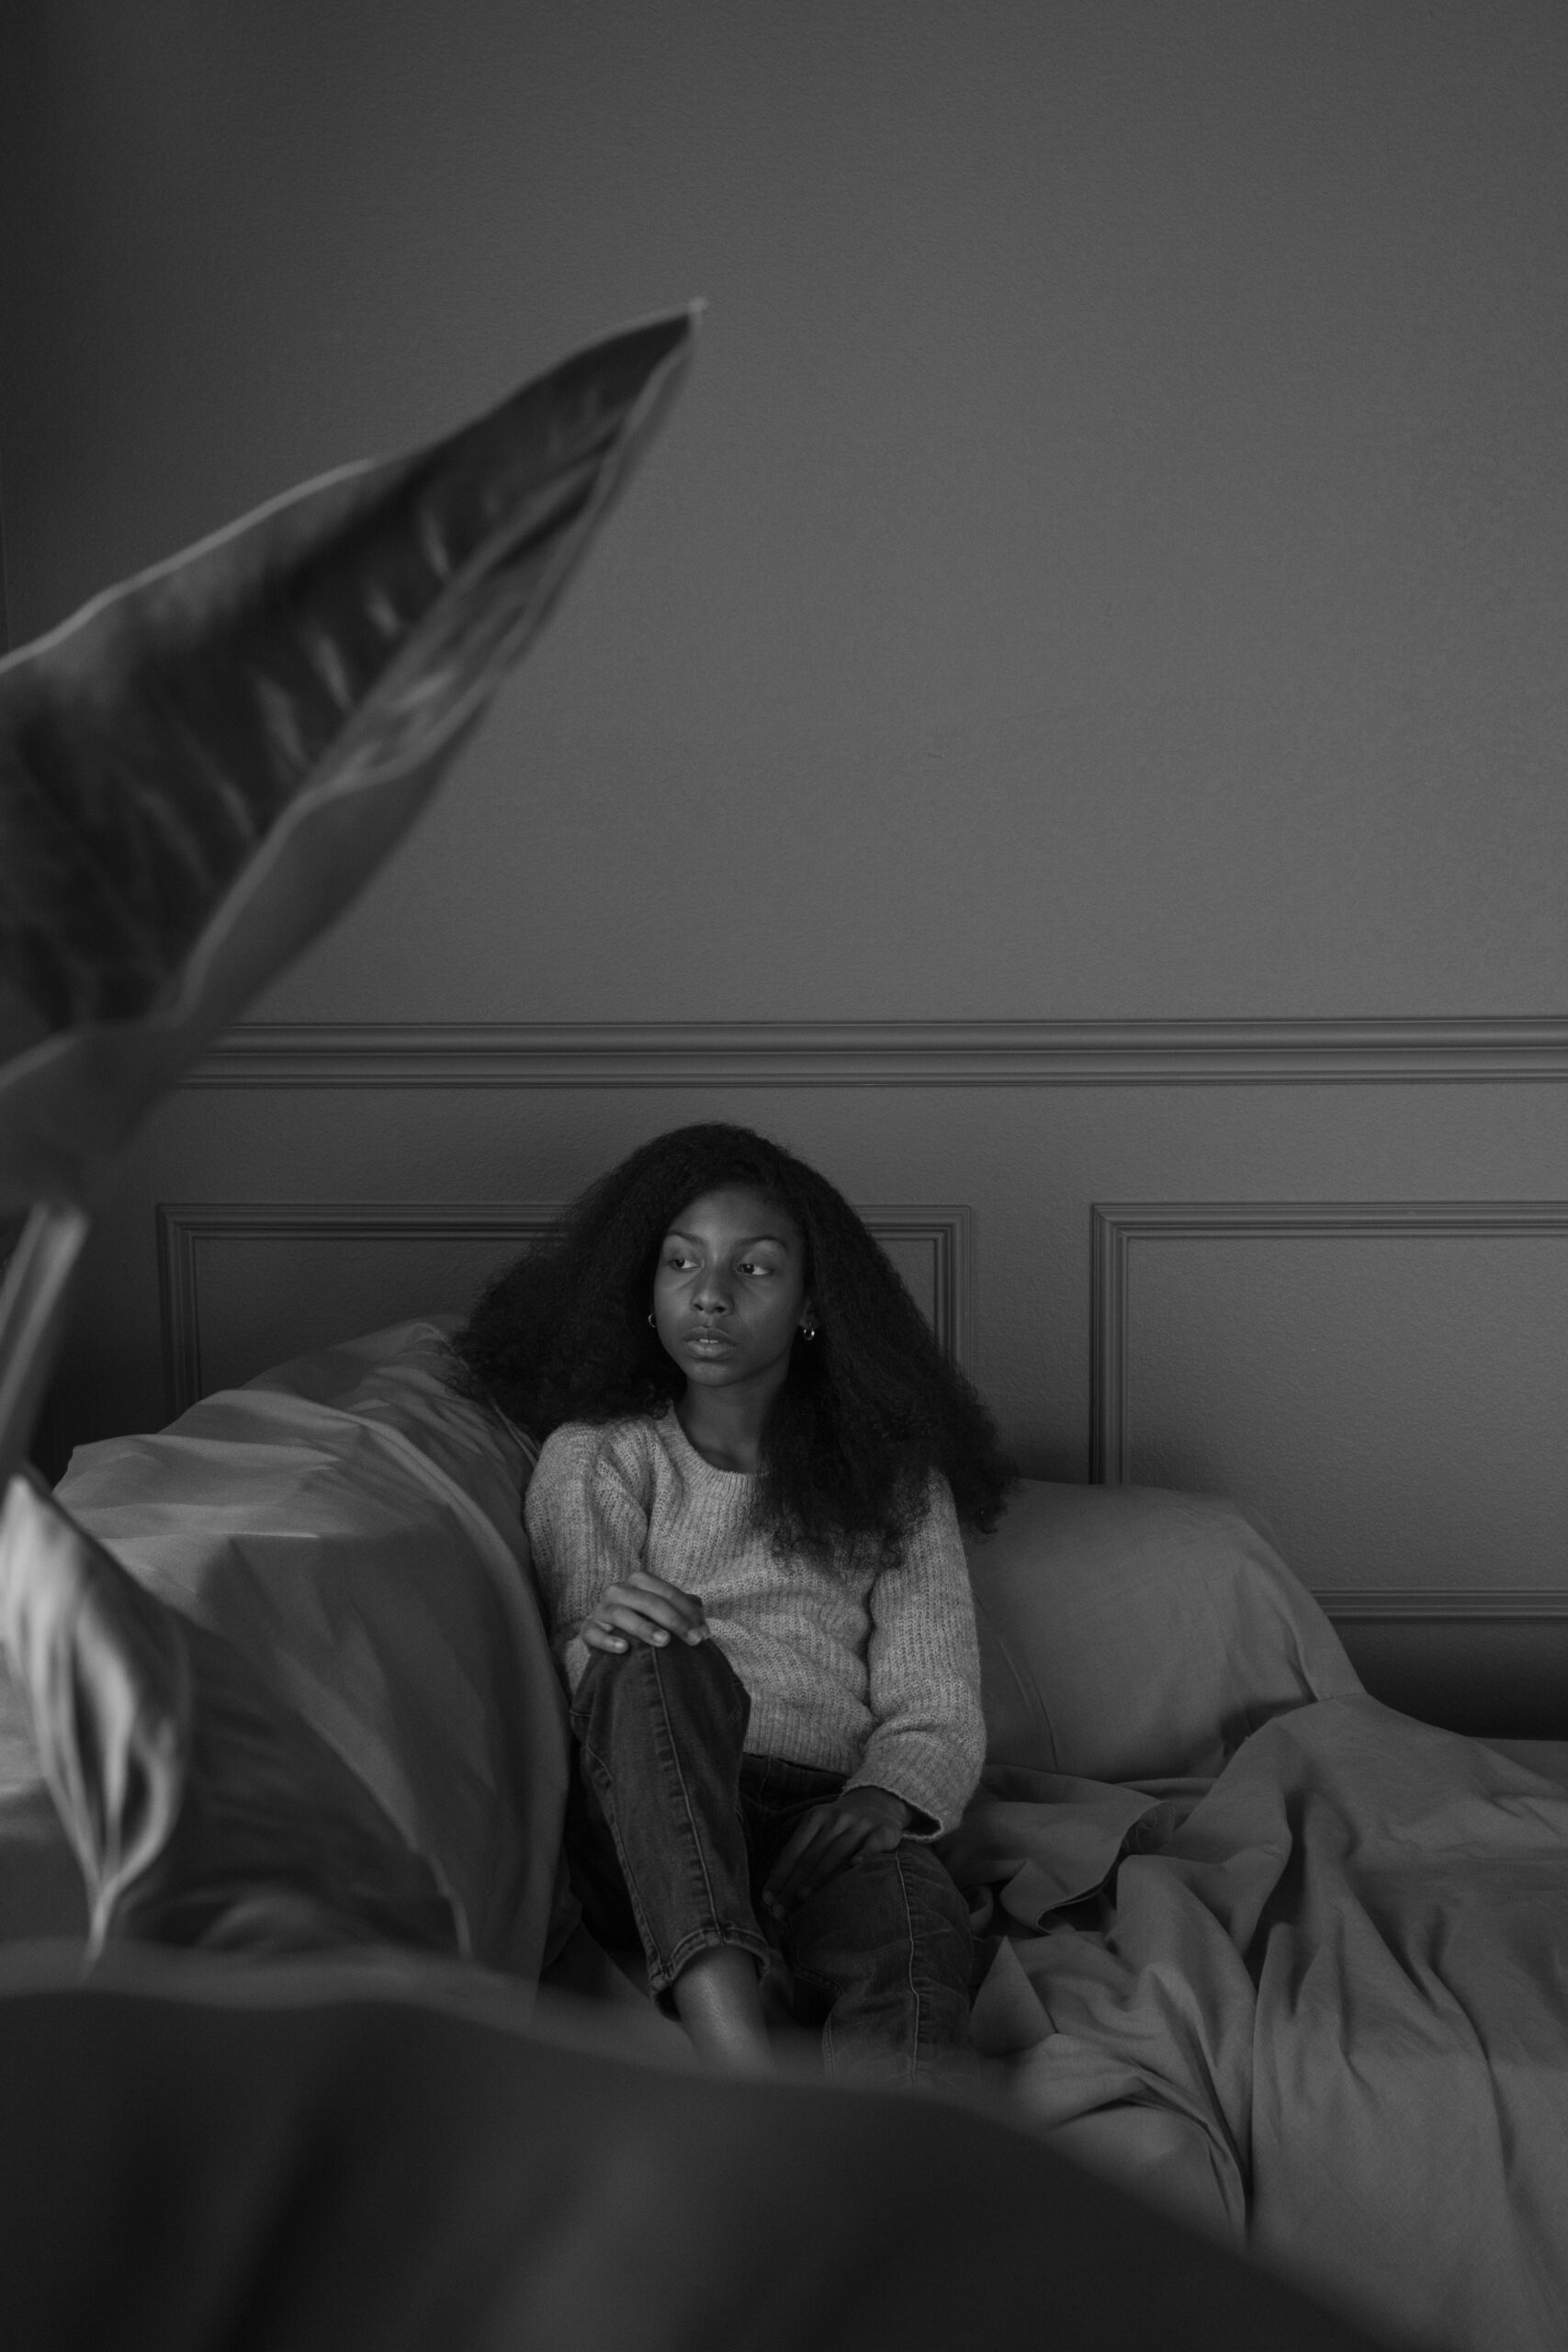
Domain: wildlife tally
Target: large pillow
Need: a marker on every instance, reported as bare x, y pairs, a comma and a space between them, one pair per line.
354, 1530
1131, 1634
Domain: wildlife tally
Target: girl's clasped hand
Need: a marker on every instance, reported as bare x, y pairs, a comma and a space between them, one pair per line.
862, 1821
644, 1608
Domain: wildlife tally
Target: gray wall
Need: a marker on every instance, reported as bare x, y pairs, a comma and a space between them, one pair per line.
1109, 571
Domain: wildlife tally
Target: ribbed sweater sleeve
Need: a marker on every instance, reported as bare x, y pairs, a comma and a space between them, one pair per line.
928, 1740
587, 1529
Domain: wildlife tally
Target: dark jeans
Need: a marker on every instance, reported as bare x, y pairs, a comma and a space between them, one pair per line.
672, 1832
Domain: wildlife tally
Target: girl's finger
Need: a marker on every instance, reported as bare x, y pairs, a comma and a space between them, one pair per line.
821, 1851
838, 1859
649, 1582
775, 1893
683, 1611
612, 1630
795, 1844
631, 1611
633, 1617
818, 1823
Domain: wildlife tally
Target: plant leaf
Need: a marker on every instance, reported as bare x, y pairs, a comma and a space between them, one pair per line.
201, 769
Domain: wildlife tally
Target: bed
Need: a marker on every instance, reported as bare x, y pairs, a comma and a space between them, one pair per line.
1270, 1982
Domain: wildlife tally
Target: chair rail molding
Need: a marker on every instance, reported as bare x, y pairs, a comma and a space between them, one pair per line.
481, 1055
186, 1229
1442, 1604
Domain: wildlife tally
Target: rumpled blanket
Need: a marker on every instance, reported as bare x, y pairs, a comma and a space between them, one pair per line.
1328, 2015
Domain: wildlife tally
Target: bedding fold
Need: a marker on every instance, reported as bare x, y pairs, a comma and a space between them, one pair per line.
1332, 2011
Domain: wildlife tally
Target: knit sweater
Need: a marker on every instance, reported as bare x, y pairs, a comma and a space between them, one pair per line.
872, 1672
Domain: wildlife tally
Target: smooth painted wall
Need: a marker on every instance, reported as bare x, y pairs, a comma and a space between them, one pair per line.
1111, 560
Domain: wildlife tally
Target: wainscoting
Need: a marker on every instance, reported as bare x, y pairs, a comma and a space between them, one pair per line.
244, 1284
1320, 1265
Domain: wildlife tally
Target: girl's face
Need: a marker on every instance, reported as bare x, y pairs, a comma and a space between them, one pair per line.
730, 1292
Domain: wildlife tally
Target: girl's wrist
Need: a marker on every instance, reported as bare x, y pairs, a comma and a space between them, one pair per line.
898, 1806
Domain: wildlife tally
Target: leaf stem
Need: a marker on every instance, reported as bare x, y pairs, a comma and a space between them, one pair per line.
33, 1300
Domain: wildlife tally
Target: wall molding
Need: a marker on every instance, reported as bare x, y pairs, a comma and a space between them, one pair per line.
481, 1055
949, 1227
185, 1226
1117, 1225
1443, 1605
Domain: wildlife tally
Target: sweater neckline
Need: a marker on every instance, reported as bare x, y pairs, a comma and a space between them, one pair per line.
683, 1445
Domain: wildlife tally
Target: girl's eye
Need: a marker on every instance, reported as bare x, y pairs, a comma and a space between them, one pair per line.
755, 1266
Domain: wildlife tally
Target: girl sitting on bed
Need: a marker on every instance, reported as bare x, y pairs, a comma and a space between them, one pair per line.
744, 1524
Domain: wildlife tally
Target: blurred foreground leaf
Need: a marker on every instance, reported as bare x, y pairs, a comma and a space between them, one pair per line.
201, 769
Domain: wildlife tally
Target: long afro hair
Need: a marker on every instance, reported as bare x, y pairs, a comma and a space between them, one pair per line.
870, 1407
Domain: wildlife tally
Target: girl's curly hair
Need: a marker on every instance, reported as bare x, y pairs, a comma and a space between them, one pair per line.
871, 1406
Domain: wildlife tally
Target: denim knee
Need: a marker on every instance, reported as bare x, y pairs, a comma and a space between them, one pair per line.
696, 1678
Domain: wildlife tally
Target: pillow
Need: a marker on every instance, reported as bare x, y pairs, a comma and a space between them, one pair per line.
354, 1530
1131, 1634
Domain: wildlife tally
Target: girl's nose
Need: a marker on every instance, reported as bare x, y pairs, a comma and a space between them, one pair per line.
712, 1291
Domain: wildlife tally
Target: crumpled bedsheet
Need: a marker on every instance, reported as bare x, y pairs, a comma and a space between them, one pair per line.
1328, 2014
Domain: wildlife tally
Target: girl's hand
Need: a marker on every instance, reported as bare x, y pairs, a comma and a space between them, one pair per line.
643, 1608
862, 1821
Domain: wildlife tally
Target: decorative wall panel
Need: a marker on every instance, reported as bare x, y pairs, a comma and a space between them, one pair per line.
1384, 1384
244, 1284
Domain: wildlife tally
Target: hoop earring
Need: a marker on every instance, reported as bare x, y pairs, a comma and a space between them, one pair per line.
653, 1323
809, 1331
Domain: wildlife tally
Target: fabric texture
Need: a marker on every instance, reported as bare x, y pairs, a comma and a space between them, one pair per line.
875, 1676
1037, 1842
1326, 2014
685, 1827
1131, 1634
353, 1529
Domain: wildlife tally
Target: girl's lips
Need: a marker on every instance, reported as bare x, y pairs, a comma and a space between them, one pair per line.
710, 1342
